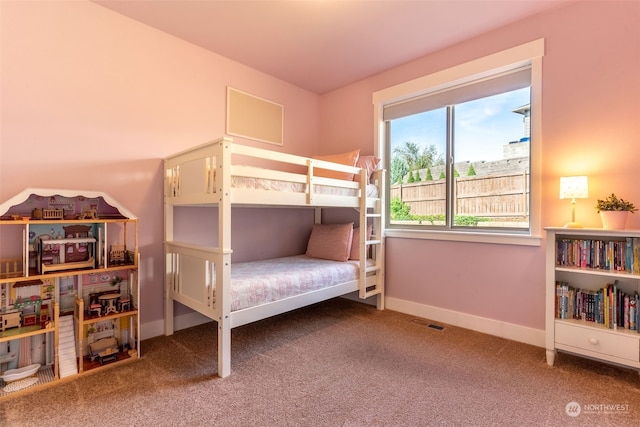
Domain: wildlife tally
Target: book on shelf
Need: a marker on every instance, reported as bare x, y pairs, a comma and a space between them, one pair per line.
609, 306
612, 255
636, 256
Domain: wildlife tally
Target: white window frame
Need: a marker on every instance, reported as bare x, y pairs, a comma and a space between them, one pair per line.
529, 53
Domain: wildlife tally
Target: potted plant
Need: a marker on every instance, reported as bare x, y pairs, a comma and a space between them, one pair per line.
116, 281
614, 211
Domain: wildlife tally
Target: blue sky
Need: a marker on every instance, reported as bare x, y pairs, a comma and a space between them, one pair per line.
482, 127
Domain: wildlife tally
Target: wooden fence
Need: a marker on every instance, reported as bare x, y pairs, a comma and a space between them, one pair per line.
497, 196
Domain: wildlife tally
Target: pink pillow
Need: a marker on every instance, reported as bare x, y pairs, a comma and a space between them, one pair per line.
330, 241
369, 163
350, 159
355, 241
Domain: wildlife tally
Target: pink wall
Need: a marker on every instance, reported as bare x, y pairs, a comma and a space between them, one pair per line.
93, 100
282, 232
590, 126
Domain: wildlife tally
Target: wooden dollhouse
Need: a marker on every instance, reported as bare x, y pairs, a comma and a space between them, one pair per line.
59, 280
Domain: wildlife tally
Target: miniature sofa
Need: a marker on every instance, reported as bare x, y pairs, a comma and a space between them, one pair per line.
104, 349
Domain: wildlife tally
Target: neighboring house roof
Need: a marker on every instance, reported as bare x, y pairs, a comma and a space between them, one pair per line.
524, 110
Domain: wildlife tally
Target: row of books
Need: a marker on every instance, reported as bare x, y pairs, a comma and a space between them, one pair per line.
609, 306
611, 255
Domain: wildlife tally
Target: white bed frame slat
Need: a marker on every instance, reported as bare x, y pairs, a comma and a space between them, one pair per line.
251, 314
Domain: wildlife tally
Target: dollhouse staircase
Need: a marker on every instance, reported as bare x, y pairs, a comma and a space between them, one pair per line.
67, 348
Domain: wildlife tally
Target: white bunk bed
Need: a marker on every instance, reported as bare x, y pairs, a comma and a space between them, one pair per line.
199, 277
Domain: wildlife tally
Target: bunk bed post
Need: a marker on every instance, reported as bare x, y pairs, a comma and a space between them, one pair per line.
362, 230
168, 269
310, 186
381, 223
223, 263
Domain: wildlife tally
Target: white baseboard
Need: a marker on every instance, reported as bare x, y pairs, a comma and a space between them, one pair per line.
151, 329
156, 328
497, 328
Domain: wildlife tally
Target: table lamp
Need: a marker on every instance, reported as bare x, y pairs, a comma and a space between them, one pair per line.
573, 187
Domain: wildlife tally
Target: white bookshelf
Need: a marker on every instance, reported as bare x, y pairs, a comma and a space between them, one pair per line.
614, 344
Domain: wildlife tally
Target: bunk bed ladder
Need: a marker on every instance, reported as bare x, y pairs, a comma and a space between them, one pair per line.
371, 278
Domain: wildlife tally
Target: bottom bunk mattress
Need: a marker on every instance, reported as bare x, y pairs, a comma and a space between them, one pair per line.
259, 282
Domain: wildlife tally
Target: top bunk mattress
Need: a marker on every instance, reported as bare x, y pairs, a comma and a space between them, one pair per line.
250, 183
260, 282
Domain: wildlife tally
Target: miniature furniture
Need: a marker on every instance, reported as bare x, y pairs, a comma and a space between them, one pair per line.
95, 308
44, 313
29, 319
21, 373
94, 297
125, 304
110, 301
104, 349
48, 214
117, 254
47, 252
76, 251
9, 320
10, 267
65, 254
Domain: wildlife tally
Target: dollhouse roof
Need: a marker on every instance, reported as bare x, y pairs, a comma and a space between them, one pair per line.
22, 197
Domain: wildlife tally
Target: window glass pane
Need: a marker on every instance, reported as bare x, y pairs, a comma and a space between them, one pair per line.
417, 168
491, 152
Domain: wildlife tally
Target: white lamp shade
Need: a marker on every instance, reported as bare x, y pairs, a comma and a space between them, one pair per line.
574, 187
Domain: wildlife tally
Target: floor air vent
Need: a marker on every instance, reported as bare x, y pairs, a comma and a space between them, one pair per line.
426, 323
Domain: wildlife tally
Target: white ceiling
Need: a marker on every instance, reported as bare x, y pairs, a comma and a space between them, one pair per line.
321, 45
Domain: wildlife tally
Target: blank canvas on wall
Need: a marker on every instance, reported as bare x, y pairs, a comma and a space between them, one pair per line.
255, 118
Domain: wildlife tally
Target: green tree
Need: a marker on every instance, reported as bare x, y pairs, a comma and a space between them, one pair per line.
399, 210
416, 158
398, 170
411, 178
429, 157
471, 171
409, 152
428, 176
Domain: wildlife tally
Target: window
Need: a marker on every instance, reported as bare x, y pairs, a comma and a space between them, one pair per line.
487, 169
460, 147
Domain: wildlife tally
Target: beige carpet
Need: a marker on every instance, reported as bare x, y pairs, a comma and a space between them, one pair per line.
338, 363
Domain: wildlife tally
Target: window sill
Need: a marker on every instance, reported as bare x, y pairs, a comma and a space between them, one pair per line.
461, 236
